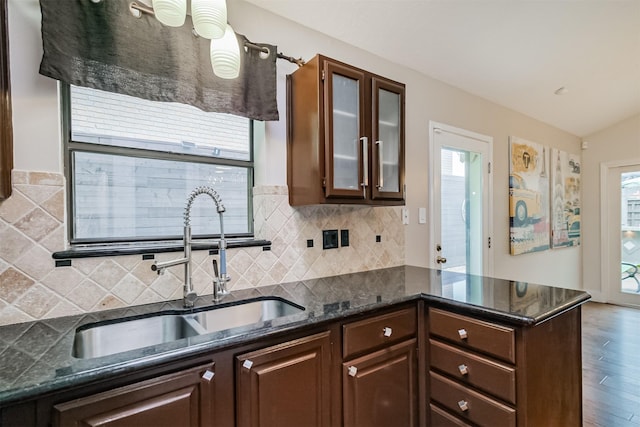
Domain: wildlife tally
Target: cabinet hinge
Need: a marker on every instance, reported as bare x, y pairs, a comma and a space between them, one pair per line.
489, 242
322, 74
324, 183
489, 171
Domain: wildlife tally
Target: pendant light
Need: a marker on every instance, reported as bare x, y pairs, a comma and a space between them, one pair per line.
171, 13
225, 55
209, 18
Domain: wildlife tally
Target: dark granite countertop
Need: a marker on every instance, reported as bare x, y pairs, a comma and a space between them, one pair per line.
36, 357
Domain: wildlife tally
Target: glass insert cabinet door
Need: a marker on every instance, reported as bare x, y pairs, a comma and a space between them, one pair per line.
346, 153
388, 139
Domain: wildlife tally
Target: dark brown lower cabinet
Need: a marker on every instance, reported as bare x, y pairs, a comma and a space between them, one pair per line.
397, 367
380, 388
181, 399
285, 385
489, 374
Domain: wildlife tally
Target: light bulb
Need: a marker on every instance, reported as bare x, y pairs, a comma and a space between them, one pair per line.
225, 55
171, 13
209, 18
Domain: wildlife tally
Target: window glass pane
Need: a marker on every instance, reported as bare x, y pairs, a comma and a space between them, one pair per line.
119, 197
113, 119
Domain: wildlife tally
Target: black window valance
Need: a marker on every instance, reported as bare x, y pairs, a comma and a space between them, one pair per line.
103, 46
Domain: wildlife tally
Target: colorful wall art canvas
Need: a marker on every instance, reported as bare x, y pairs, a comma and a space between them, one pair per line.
565, 199
528, 196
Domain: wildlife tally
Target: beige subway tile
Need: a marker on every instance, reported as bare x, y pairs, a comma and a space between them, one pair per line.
15, 207
63, 308
14, 244
37, 224
36, 262
144, 273
55, 241
19, 177
107, 274
109, 302
46, 178
166, 285
55, 206
63, 280
13, 284
10, 315
37, 301
37, 193
128, 289
87, 294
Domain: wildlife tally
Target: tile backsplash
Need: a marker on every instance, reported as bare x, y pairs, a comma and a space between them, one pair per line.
32, 227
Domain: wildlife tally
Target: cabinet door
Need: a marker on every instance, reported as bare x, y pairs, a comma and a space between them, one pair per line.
346, 144
181, 399
285, 385
388, 139
380, 389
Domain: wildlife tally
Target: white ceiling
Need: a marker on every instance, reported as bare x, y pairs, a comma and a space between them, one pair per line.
513, 52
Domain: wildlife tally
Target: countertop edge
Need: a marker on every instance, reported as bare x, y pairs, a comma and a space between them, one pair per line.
512, 319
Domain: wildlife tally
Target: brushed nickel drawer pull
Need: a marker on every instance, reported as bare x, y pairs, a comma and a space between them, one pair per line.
464, 369
463, 334
352, 371
387, 332
463, 405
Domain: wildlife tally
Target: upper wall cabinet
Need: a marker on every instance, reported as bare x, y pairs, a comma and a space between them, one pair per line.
345, 136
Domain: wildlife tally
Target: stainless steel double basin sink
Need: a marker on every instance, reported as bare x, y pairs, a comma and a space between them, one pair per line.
106, 338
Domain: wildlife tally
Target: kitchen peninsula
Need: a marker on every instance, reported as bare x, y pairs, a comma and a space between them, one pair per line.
436, 348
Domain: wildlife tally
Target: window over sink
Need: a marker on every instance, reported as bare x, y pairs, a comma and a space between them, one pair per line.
131, 163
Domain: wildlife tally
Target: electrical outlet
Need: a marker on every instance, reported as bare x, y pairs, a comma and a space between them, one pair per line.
344, 237
329, 239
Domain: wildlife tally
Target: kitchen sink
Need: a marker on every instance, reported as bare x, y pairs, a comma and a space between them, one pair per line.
243, 314
103, 339
111, 338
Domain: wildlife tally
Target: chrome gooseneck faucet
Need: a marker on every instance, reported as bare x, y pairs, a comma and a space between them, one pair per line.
221, 279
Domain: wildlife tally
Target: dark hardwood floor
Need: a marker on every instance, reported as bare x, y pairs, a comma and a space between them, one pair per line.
611, 365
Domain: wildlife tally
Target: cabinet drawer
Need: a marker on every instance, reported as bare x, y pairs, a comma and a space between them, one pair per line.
440, 418
483, 373
489, 338
469, 404
377, 331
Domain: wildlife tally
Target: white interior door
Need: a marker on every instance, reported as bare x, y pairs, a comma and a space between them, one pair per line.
461, 200
621, 228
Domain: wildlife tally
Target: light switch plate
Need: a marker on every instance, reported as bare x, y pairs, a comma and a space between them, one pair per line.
405, 216
422, 215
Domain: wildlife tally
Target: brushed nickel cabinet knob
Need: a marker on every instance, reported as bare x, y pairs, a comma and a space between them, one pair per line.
208, 375
464, 369
463, 405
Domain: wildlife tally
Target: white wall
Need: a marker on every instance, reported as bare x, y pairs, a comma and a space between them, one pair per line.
427, 99
618, 142
36, 129
38, 146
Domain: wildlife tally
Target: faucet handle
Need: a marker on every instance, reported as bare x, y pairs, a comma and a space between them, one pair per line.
215, 268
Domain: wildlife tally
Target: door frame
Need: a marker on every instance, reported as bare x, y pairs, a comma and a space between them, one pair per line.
436, 187
607, 274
